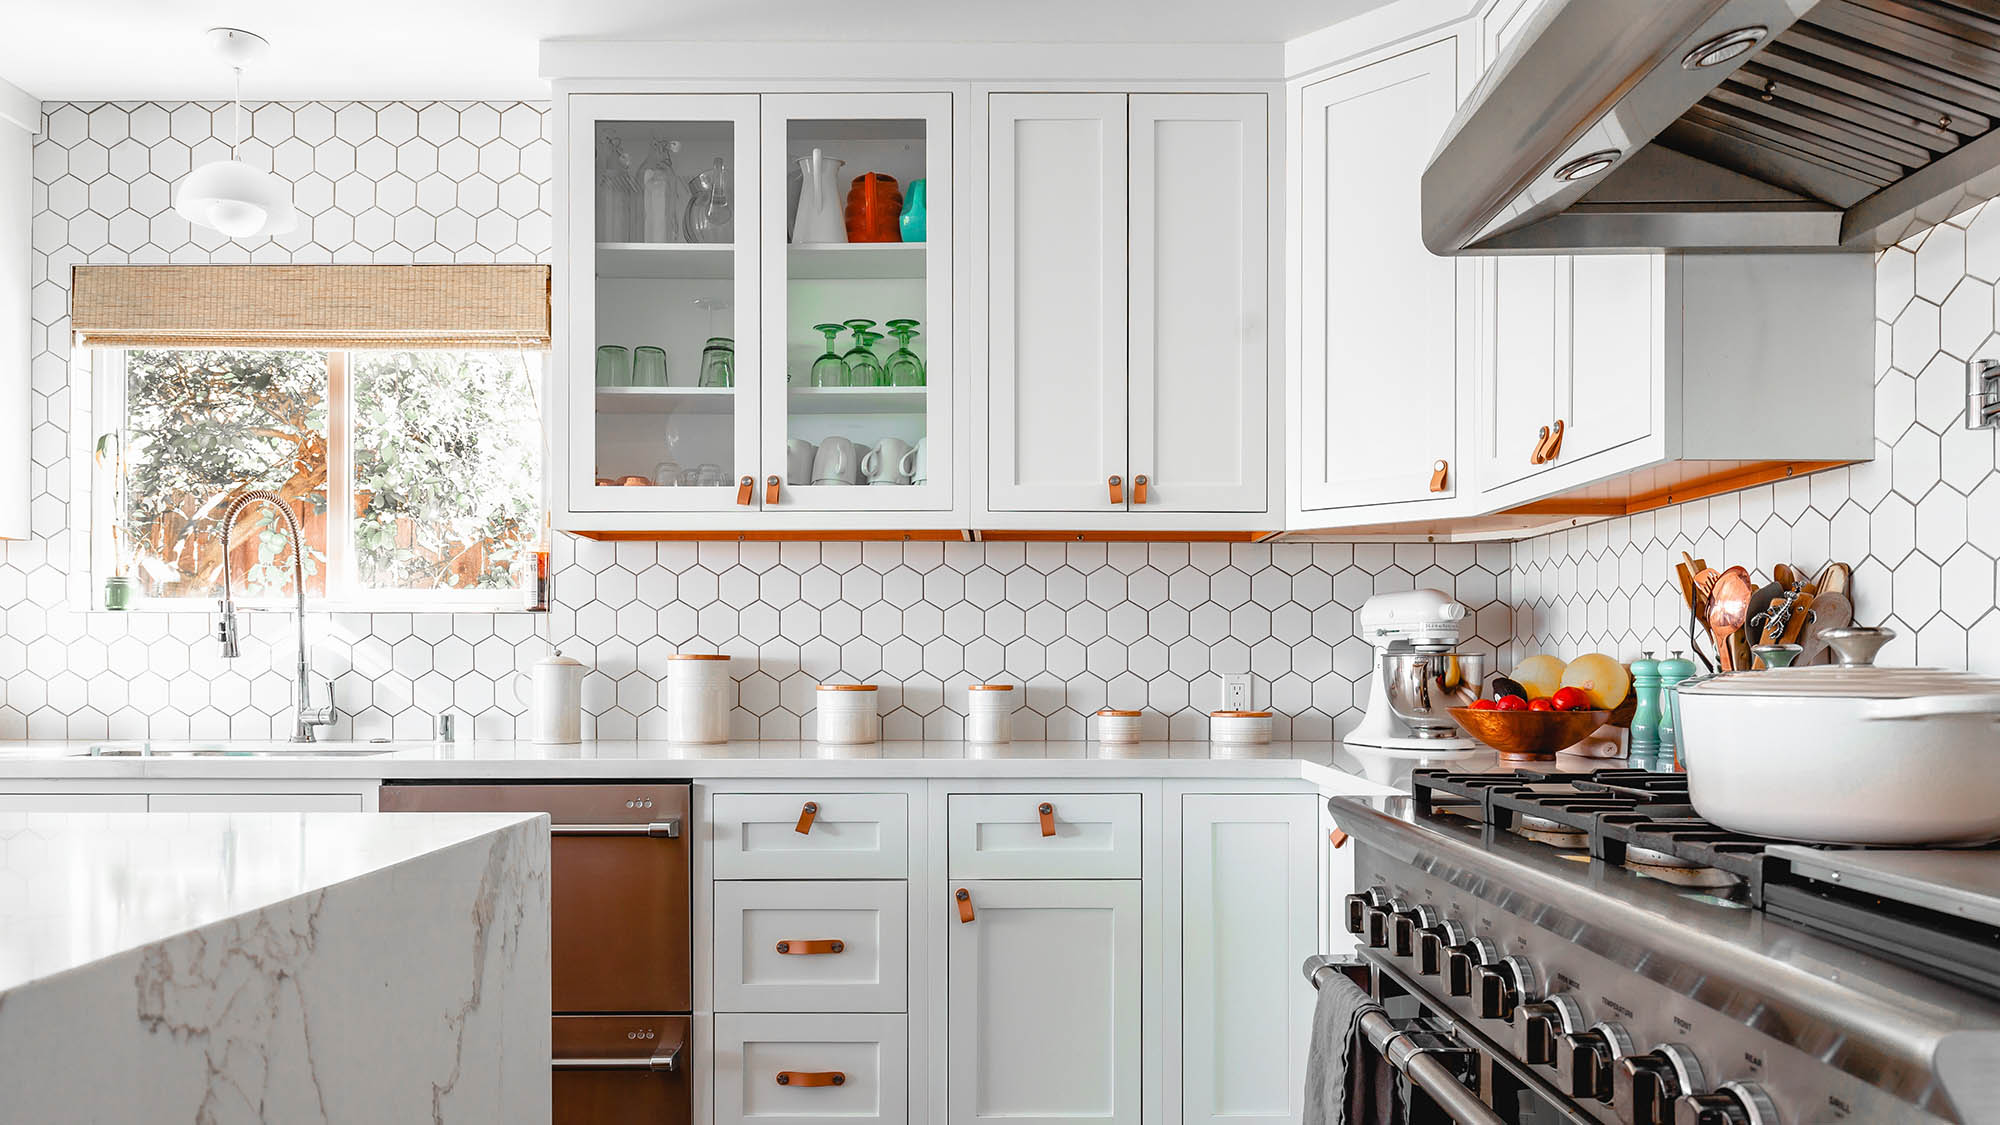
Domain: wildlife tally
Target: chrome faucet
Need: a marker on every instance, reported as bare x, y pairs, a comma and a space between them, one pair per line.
308, 716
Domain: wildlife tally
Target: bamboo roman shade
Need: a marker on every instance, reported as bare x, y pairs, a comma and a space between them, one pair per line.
442, 306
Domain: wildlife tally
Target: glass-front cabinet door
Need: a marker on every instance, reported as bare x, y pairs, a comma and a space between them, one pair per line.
663, 302
857, 302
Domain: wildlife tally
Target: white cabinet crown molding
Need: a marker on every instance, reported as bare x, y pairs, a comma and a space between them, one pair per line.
937, 62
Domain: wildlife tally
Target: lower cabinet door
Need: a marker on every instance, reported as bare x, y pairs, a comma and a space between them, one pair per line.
1044, 1001
811, 1069
811, 946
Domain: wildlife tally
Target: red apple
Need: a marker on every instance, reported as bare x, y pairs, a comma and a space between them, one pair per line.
1570, 699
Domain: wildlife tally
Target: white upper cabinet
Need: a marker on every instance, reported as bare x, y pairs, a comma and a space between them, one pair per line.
1517, 395
1056, 292
1128, 307
1379, 314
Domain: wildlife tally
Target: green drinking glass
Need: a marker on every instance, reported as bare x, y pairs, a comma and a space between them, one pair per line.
649, 367
903, 367
614, 366
829, 370
718, 362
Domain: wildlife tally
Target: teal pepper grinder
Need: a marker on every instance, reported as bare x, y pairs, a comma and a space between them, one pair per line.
911, 221
1672, 671
1646, 712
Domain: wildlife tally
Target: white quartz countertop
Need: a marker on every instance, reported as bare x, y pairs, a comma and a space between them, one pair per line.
76, 888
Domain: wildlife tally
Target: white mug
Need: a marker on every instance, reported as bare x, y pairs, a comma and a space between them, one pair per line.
884, 463
916, 463
555, 703
799, 461
835, 463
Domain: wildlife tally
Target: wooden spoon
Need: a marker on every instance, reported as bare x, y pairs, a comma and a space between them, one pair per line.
1837, 578
1829, 611
1728, 612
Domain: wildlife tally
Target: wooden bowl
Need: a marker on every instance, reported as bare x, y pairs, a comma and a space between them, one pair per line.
1529, 735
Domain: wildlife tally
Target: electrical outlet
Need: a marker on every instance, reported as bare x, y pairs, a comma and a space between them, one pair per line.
1235, 691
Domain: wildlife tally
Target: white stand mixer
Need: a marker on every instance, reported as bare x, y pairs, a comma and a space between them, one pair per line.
1418, 674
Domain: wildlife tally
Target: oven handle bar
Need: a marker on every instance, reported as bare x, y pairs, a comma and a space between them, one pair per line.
1423, 1071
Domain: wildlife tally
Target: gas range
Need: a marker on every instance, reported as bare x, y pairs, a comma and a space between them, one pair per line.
1589, 950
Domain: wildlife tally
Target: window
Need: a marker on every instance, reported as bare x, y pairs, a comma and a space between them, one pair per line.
415, 474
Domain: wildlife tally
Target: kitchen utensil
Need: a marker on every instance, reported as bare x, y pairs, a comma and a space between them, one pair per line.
835, 463
1685, 578
874, 209
829, 370
911, 221
649, 367
1829, 611
711, 213
1761, 601
884, 463
1784, 575
614, 366
1853, 754
1728, 612
663, 195
799, 461
554, 699
819, 218
1800, 613
1836, 578
1529, 735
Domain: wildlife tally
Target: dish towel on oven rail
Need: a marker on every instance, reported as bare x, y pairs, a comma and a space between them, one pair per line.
1347, 1081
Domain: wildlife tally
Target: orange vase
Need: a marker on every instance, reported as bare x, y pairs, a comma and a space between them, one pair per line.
873, 205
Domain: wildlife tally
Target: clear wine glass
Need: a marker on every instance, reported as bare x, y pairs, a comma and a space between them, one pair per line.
829, 370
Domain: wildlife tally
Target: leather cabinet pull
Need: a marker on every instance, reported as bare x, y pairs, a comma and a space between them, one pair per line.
1117, 490
1048, 815
771, 489
1139, 489
1337, 838
1535, 456
811, 1078
743, 488
1555, 446
806, 815
809, 948
1440, 473
964, 898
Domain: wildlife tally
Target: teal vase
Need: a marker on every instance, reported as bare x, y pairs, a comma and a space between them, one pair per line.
912, 219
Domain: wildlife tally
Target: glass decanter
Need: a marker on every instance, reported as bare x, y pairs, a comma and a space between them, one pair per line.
904, 367
711, 215
617, 194
829, 370
663, 195
864, 370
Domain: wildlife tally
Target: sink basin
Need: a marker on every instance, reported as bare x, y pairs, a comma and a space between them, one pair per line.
306, 749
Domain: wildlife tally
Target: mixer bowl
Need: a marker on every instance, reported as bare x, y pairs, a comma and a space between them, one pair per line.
1423, 687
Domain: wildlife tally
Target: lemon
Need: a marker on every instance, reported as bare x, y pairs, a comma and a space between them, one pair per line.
1541, 675
1601, 678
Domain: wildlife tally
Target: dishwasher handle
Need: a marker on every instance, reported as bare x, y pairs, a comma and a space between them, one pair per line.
658, 829
664, 1062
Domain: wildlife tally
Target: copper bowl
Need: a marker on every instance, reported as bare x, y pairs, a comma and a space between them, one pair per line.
1529, 735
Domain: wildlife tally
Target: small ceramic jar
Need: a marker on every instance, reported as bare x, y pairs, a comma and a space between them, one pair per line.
1118, 726
847, 714
698, 691
1251, 728
989, 713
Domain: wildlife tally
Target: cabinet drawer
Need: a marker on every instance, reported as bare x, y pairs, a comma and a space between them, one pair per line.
1000, 836
867, 973
851, 836
853, 1068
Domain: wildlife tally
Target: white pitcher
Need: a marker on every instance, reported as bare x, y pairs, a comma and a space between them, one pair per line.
820, 218
555, 701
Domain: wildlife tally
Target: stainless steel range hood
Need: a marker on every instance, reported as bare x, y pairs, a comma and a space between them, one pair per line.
1759, 125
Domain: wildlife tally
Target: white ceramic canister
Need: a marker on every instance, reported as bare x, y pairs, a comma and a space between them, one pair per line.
1251, 728
1118, 726
989, 713
846, 713
554, 699
698, 691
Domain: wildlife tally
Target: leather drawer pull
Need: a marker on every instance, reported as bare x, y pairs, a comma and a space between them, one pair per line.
1139, 489
1555, 446
1536, 456
816, 945
806, 814
1337, 838
964, 898
1117, 490
1048, 814
1440, 473
771, 489
811, 1078
743, 489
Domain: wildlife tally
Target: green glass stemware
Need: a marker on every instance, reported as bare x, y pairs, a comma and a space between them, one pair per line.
861, 362
829, 370
904, 368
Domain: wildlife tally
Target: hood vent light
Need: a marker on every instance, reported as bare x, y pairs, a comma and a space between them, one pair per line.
1724, 47
1586, 166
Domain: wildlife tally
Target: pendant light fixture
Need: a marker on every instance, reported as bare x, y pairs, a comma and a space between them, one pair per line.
228, 195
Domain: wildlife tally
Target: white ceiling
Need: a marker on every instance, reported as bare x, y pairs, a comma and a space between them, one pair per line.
152, 49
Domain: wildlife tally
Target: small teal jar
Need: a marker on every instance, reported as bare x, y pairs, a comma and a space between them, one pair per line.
1646, 707
1672, 671
911, 221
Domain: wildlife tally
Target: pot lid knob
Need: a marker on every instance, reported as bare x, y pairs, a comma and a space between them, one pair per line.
1781, 656
1856, 646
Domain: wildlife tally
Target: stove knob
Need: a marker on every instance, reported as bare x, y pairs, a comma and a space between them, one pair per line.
1584, 1060
1358, 905
1377, 919
1405, 928
1734, 1103
1538, 1025
1464, 961
1645, 1087
1434, 946
1502, 987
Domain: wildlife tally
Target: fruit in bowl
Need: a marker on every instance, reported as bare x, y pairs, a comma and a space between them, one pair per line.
1521, 734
